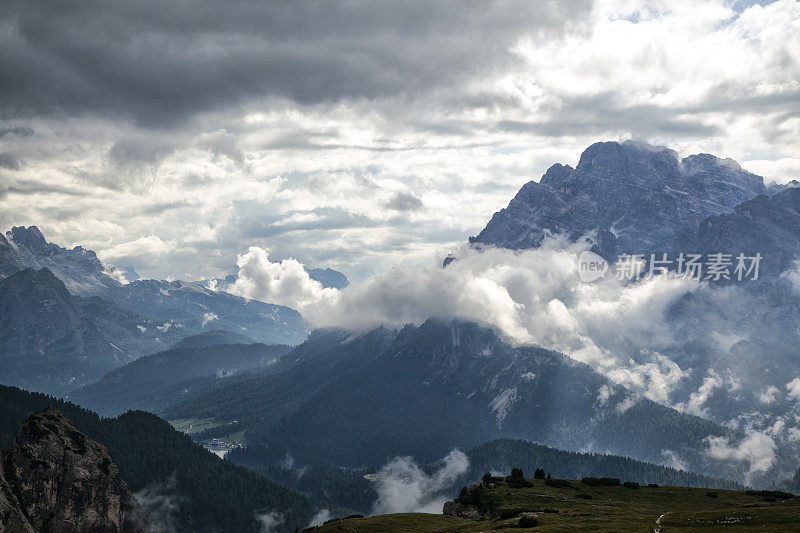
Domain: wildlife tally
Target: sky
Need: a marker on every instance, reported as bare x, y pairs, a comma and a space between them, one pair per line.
173, 137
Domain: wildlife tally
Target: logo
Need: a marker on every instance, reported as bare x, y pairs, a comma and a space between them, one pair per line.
591, 267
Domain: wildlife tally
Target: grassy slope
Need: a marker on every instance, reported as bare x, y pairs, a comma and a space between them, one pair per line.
610, 509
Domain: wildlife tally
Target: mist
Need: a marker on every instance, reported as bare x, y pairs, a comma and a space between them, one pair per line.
404, 487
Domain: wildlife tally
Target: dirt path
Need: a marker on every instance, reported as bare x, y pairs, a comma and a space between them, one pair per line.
658, 523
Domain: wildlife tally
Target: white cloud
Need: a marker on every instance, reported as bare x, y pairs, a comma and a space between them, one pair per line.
159, 502
404, 487
697, 400
150, 246
115, 273
531, 297
320, 518
672, 459
756, 449
284, 283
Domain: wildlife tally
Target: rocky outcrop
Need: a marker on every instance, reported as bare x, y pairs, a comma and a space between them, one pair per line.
12, 518
57, 479
461, 510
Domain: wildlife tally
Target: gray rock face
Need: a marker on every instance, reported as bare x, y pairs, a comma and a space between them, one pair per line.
12, 519
79, 269
10, 260
328, 277
55, 478
628, 198
47, 342
460, 510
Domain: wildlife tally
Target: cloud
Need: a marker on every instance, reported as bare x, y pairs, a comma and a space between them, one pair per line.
9, 162
532, 297
404, 487
756, 449
148, 246
269, 522
673, 460
285, 283
219, 130
697, 400
115, 273
320, 518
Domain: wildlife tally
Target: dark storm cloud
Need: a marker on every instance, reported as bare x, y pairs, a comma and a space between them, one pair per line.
163, 61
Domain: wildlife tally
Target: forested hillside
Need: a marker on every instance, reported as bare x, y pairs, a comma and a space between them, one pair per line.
201, 491
357, 401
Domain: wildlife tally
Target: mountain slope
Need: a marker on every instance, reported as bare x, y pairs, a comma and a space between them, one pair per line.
153, 381
208, 493
511, 503
630, 198
192, 307
425, 390
47, 342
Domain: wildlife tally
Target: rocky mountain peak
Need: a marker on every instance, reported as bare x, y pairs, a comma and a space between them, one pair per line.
628, 197
29, 237
626, 157
79, 268
55, 478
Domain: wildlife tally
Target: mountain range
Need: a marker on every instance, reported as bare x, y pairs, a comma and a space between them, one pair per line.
80, 269
359, 400
342, 403
66, 322
735, 343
